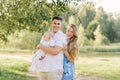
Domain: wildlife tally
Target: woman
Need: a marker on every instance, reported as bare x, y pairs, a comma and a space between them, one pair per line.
70, 53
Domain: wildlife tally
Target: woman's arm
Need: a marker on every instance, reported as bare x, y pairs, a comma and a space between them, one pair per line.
68, 56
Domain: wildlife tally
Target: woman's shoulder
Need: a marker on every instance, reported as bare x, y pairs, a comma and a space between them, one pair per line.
75, 45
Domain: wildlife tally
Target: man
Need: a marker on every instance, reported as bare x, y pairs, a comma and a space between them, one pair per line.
51, 67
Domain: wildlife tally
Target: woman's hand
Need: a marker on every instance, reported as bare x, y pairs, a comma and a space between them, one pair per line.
64, 48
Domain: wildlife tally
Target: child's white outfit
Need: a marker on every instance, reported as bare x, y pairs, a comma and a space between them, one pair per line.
35, 60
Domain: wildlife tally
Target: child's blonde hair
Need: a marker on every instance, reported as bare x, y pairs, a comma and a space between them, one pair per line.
49, 33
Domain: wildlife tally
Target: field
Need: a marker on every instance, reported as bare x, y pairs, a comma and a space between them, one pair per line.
100, 68
89, 66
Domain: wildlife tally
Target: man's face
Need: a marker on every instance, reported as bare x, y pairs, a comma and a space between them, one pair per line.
56, 25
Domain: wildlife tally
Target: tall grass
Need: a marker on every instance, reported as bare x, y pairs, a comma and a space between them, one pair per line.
100, 49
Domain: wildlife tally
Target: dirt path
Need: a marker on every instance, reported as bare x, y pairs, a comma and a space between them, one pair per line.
26, 58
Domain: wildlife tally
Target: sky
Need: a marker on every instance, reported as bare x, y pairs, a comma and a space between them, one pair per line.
108, 5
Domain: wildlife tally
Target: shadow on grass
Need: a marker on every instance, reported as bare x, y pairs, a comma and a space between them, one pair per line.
14, 69
9, 75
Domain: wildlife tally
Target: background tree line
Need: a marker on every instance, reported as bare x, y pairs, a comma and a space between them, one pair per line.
31, 18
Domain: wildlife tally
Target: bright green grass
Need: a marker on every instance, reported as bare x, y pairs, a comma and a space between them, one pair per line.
107, 68
13, 69
96, 64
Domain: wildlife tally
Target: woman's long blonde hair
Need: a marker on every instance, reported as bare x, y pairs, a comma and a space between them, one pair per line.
72, 44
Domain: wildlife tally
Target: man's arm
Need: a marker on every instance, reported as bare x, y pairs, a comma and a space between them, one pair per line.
53, 51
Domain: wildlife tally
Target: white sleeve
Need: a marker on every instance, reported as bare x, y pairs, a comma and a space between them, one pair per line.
41, 40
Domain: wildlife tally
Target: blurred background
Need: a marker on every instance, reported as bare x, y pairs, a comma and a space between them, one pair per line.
23, 22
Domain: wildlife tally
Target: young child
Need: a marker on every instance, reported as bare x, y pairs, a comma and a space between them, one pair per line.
39, 54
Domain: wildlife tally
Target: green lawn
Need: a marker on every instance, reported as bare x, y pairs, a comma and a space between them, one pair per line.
107, 68
104, 65
13, 69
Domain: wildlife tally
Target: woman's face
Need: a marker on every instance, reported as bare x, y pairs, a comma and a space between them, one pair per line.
69, 32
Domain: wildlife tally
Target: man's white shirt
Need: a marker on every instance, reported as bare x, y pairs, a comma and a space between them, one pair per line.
54, 62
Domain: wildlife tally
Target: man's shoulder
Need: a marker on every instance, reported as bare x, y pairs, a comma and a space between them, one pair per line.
60, 33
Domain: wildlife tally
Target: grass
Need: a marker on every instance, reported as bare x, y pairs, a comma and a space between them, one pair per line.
16, 51
96, 64
103, 67
100, 54
13, 69
113, 48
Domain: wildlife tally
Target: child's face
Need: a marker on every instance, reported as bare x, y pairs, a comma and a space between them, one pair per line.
47, 37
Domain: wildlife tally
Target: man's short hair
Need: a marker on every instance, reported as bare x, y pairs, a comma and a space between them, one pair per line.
57, 18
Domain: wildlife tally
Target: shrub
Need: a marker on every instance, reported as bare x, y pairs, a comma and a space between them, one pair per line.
24, 40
